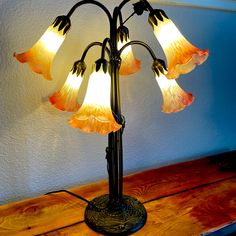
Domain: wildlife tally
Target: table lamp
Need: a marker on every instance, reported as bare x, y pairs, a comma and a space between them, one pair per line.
100, 112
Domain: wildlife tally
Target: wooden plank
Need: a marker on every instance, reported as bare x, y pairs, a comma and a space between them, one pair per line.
47, 213
163, 181
185, 214
173, 179
39, 215
192, 212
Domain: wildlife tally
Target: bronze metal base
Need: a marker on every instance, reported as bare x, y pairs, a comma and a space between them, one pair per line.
110, 218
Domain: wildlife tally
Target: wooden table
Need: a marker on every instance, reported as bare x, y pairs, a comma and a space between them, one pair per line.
185, 199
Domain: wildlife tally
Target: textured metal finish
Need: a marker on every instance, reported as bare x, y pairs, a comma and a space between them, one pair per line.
115, 218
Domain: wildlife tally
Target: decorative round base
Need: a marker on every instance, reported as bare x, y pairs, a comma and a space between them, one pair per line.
109, 218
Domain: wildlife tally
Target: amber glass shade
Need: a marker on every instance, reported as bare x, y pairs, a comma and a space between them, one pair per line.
95, 114
41, 55
129, 64
182, 56
174, 97
66, 98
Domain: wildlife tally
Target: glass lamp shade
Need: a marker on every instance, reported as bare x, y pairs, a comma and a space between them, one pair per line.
42, 53
66, 98
95, 114
182, 56
174, 97
129, 64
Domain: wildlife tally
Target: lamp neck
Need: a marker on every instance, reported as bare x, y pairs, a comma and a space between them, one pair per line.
115, 157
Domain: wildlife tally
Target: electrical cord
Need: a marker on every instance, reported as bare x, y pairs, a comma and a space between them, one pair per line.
77, 196
73, 194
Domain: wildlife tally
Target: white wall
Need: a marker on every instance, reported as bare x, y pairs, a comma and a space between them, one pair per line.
39, 152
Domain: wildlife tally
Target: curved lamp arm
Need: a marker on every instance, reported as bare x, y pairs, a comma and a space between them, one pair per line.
104, 47
123, 3
139, 43
92, 45
90, 2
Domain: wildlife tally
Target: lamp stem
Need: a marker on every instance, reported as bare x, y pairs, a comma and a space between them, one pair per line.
115, 142
115, 161
120, 182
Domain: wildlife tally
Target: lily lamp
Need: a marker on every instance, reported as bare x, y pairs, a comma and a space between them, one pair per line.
100, 112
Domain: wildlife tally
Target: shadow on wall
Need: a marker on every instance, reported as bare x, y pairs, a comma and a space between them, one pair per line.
17, 90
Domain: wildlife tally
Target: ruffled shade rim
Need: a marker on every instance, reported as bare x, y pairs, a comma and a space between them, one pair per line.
186, 101
94, 124
188, 65
91, 118
25, 58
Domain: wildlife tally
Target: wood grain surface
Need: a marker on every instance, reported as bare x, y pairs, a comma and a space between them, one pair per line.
187, 214
183, 199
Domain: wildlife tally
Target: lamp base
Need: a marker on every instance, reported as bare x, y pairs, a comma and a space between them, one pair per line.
109, 218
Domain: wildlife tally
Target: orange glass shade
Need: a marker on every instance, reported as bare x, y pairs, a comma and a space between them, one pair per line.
182, 56
41, 55
174, 97
95, 114
66, 98
129, 64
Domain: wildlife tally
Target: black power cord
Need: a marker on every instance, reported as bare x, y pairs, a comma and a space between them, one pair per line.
77, 196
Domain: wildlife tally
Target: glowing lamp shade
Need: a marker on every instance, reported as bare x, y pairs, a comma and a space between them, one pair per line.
41, 55
95, 114
66, 98
174, 97
182, 56
129, 64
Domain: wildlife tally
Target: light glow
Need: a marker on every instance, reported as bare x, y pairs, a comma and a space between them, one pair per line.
52, 39
98, 92
167, 33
